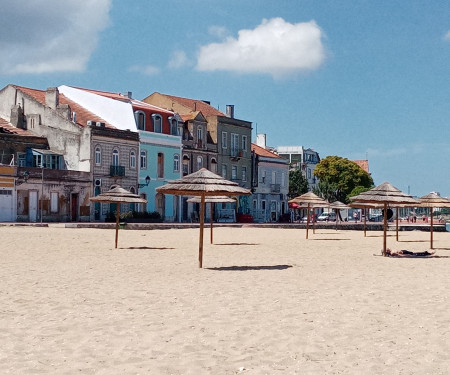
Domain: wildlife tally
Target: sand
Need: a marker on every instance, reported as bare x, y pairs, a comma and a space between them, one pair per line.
267, 301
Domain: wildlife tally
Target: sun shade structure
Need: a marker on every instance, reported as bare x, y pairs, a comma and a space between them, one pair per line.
310, 200
385, 195
202, 183
432, 200
118, 195
211, 201
336, 206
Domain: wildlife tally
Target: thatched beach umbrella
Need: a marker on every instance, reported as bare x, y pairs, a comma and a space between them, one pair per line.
337, 206
202, 183
118, 195
211, 201
310, 200
385, 194
433, 200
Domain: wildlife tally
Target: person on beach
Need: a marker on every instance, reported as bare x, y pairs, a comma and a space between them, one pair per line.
407, 253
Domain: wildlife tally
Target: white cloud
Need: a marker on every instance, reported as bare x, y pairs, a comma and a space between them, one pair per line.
447, 36
148, 70
178, 60
219, 31
275, 47
45, 36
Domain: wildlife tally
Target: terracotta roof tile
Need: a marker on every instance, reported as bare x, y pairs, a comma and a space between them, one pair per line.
364, 164
8, 128
196, 105
263, 152
83, 115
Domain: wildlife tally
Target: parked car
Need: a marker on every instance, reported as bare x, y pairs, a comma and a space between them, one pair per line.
327, 216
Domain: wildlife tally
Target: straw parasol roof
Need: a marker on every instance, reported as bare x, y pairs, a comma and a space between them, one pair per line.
211, 200
432, 200
118, 195
387, 195
310, 200
202, 183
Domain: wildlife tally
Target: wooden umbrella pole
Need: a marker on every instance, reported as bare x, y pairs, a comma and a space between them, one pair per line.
365, 222
117, 222
431, 228
396, 221
202, 224
307, 221
384, 229
212, 216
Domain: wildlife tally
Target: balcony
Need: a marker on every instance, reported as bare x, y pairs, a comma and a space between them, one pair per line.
116, 170
236, 154
275, 188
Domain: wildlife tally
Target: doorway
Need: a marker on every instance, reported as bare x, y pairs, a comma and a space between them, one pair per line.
74, 207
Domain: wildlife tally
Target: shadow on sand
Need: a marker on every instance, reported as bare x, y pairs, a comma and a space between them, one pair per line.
237, 244
148, 248
251, 268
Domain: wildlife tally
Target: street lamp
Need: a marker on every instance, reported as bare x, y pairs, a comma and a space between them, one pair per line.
147, 181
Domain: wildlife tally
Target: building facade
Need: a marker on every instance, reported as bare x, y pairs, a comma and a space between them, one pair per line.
270, 183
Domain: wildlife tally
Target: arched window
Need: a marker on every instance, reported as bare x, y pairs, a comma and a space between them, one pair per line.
199, 163
213, 165
140, 120
176, 163
173, 126
160, 165
157, 123
132, 160
98, 155
200, 136
185, 165
143, 160
115, 157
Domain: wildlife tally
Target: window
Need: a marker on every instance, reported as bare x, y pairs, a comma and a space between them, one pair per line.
274, 177
157, 123
213, 165
224, 171
21, 159
309, 173
115, 157
234, 144
234, 172
283, 179
54, 202
244, 173
224, 139
132, 160
199, 163
176, 163
173, 126
185, 165
140, 120
263, 205
244, 143
263, 177
143, 159
160, 166
37, 161
98, 156
200, 136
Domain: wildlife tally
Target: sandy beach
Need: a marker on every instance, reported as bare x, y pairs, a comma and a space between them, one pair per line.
267, 301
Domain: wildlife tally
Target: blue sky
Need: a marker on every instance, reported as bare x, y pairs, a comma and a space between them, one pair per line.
349, 78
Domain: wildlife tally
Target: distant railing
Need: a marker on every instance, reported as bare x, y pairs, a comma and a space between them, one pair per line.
275, 188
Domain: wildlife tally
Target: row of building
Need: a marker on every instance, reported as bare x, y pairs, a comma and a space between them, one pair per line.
63, 145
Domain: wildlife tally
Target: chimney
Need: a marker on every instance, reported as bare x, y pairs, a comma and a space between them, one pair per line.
128, 94
230, 110
52, 97
17, 118
261, 140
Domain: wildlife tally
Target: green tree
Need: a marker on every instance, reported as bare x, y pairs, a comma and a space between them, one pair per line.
338, 177
298, 184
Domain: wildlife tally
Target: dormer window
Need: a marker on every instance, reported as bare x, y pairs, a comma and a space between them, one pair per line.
200, 136
157, 123
173, 126
140, 120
